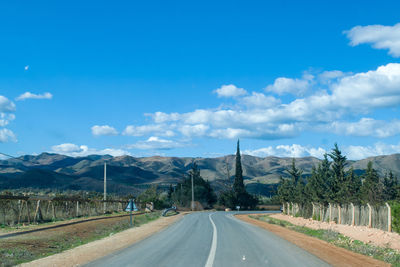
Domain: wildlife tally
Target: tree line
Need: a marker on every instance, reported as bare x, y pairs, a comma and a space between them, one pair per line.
181, 193
331, 182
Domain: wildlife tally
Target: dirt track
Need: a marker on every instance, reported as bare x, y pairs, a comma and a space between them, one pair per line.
331, 254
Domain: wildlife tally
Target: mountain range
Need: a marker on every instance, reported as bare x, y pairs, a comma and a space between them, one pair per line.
128, 174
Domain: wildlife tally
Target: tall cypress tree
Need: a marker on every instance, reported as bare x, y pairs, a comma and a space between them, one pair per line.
238, 185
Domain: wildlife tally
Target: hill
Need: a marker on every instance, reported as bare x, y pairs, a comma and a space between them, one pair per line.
130, 174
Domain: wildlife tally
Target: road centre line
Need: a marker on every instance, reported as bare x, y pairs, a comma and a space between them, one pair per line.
213, 249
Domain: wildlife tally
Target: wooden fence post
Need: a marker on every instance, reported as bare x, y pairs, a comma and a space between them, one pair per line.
389, 217
330, 212
353, 219
313, 210
283, 207
340, 214
54, 211
321, 214
36, 211
21, 206
48, 206
77, 208
369, 216
292, 208
27, 212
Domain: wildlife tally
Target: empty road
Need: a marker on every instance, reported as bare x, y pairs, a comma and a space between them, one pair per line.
211, 239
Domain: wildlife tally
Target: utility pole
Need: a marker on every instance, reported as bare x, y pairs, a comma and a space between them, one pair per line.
105, 188
131, 204
192, 194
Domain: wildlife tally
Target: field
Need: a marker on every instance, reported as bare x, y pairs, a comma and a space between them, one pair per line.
30, 246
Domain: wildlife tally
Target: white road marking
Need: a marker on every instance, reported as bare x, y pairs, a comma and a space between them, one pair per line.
213, 249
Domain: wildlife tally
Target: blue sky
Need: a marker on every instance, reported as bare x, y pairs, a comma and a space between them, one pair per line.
175, 78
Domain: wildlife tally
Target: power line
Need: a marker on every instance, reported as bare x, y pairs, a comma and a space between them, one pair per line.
21, 159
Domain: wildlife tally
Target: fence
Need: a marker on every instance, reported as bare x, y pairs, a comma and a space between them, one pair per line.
372, 216
28, 209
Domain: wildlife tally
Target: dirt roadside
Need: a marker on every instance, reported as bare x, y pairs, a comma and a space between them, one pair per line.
329, 253
97, 249
363, 233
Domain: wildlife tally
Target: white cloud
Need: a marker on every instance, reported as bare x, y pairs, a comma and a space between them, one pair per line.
155, 143
351, 152
160, 117
285, 85
368, 90
6, 105
293, 151
230, 90
194, 130
66, 148
159, 129
362, 152
7, 135
29, 95
259, 100
379, 36
26, 67
74, 150
231, 133
264, 117
103, 130
328, 77
5, 118
366, 127
7, 108
274, 131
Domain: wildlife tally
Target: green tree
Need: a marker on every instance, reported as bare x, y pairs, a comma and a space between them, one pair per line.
338, 179
390, 184
228, 199
297, 183
300, 193
372, 189
285, 190
295, 173
352, 187
203, 191
238, 196
238, 184
318, 187
315, 188
151, 194
325, 179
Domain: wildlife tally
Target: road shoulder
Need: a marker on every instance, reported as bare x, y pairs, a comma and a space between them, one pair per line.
327, 252
100, 248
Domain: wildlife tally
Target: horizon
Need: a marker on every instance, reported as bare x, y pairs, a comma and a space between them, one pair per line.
186, 80
8, 157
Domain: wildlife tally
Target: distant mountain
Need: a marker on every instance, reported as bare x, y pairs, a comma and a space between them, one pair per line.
129, 174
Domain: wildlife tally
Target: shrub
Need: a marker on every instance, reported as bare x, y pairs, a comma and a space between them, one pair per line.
395, 207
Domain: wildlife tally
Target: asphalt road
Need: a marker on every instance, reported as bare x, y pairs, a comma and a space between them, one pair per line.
211, 239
